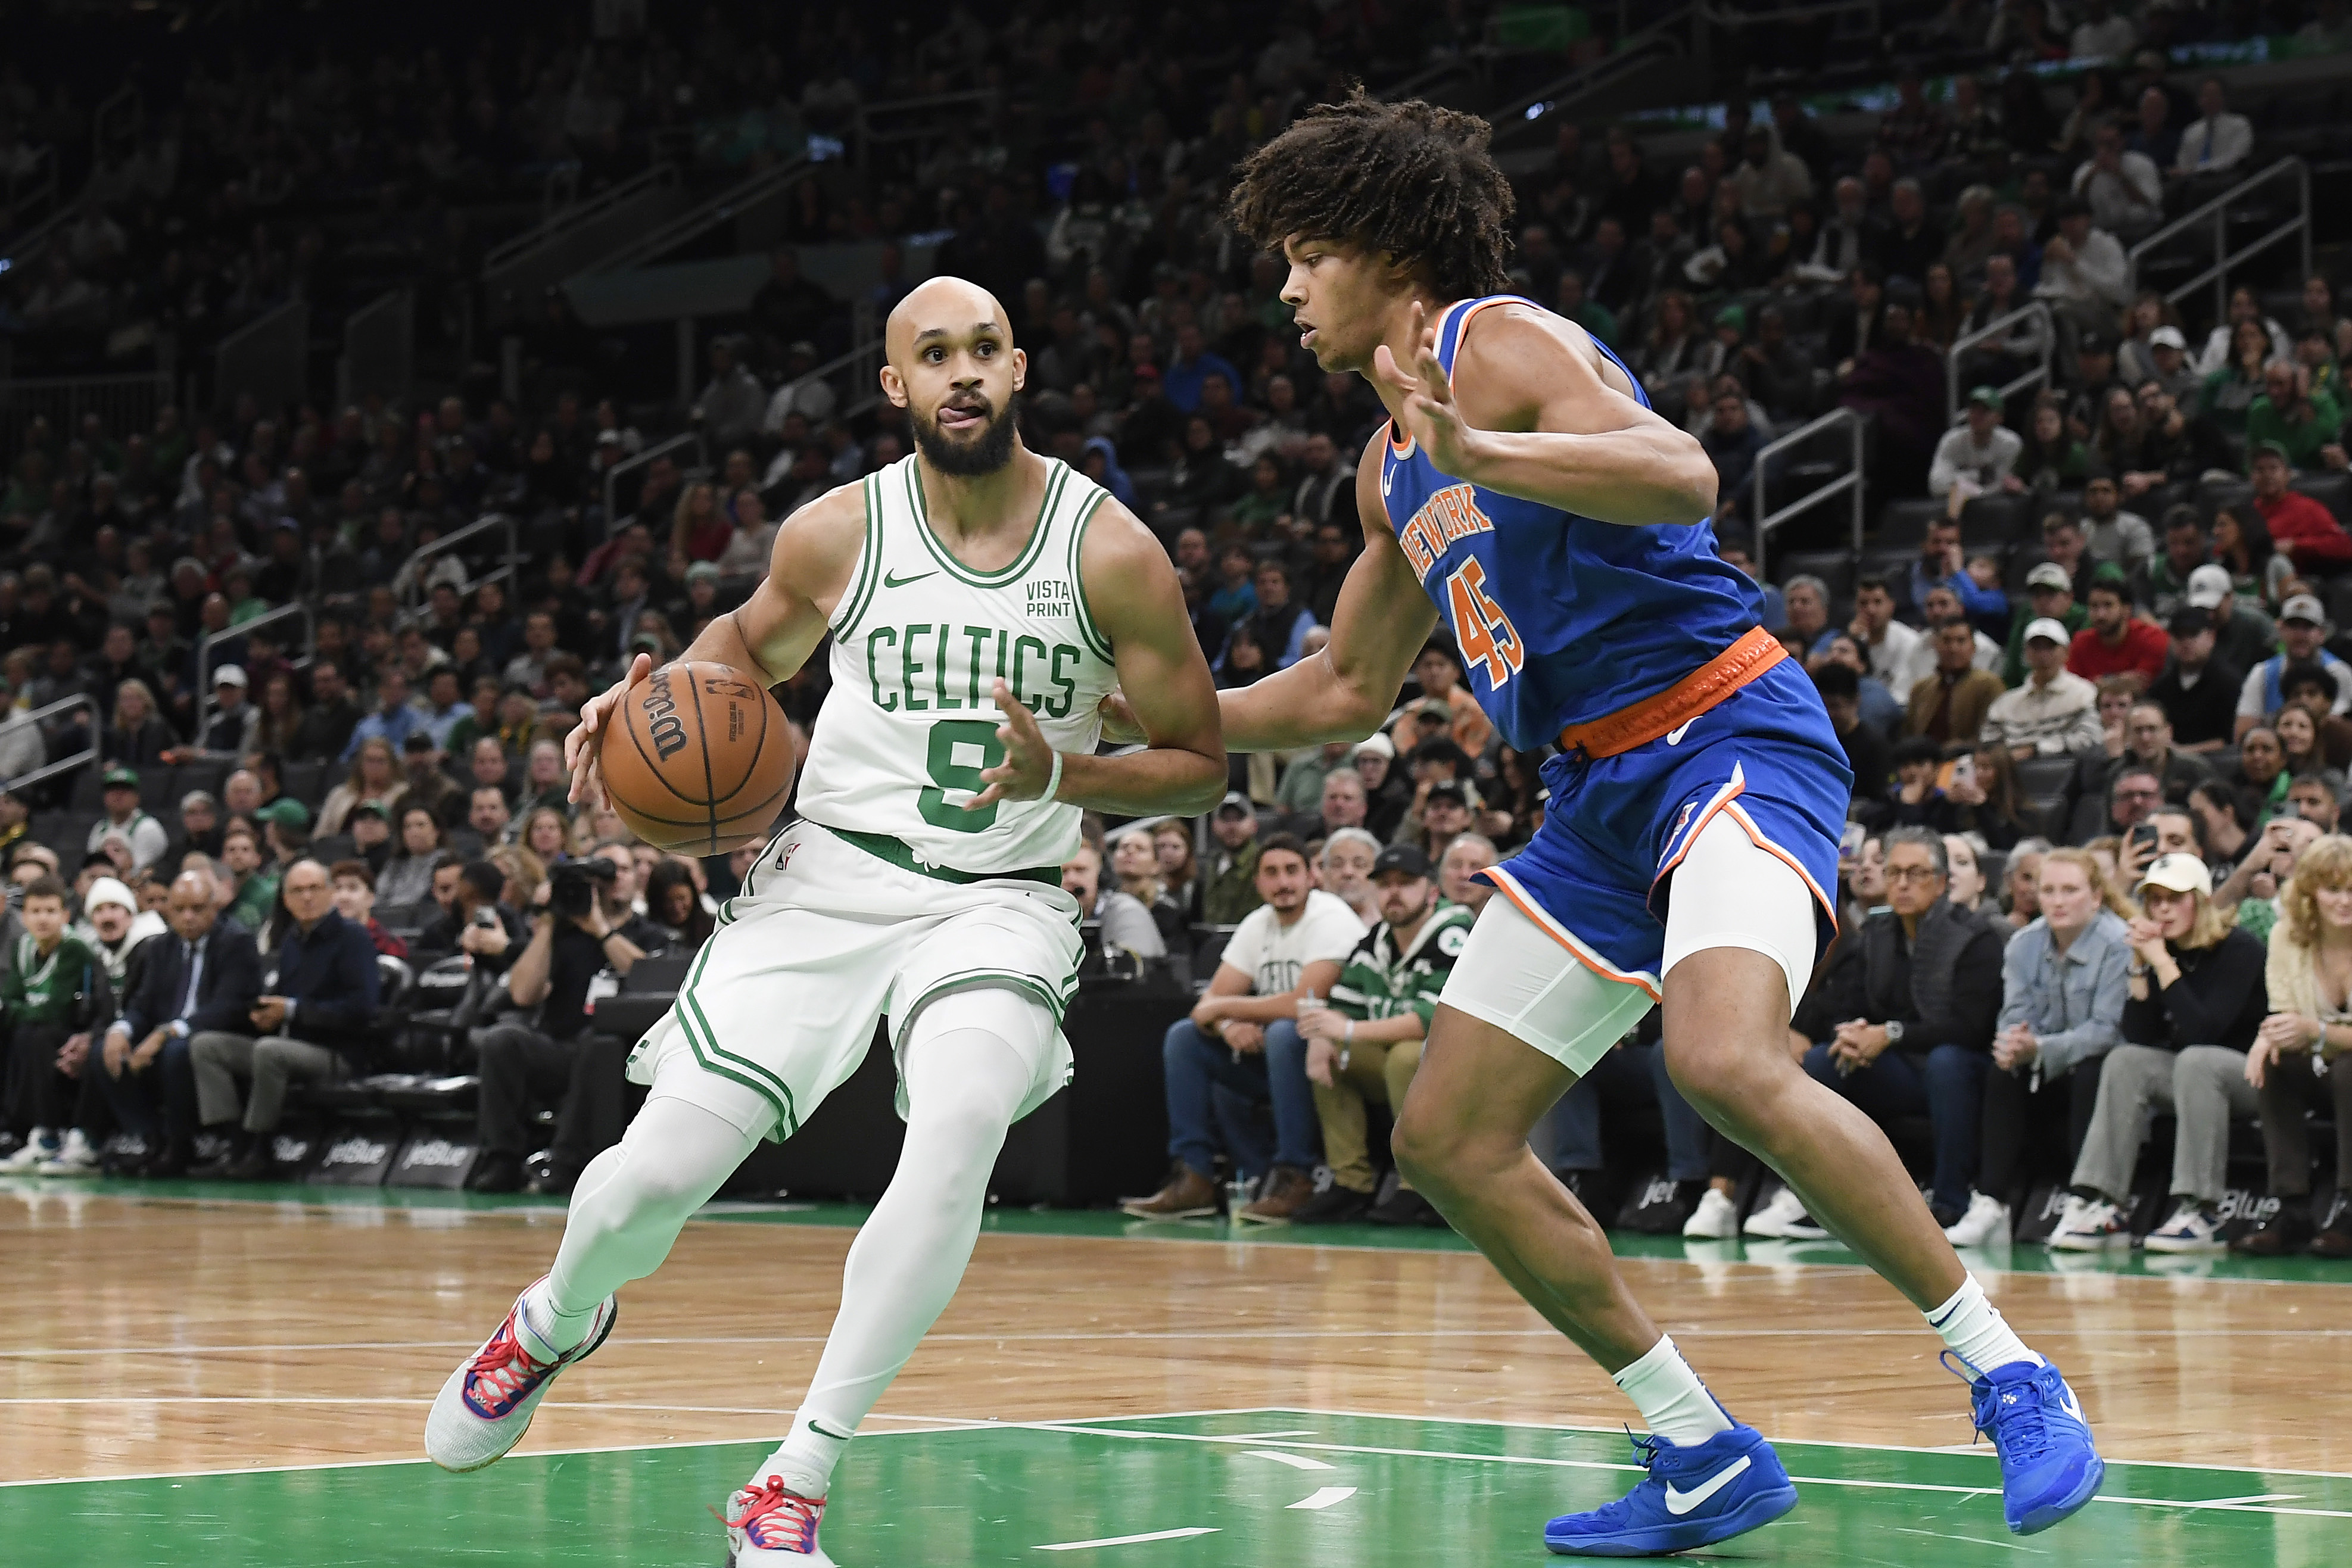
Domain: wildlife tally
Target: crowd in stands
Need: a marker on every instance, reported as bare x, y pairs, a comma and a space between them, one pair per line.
2083, 675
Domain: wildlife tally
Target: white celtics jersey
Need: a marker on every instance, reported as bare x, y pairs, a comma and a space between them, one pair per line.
918, 641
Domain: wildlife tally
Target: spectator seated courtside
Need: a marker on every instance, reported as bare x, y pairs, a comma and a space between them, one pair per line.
314, 1022
2196, 1003
1243, 1036
2296, 1062
2063, 995
1365, 1044
1900, 1021
202, 977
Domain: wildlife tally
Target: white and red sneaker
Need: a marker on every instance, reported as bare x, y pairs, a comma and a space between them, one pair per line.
485, 1408
771, 1526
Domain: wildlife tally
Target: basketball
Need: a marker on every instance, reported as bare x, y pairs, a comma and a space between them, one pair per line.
697, 760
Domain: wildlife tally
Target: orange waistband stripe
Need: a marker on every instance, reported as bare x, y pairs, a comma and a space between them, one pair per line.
1702, 689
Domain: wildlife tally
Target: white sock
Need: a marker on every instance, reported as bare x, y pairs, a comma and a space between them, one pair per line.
1675, 1404
560, 1331
1976, 1332
968, 1065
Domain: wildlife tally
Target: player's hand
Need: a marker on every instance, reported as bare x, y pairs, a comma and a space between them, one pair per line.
1121, 727
1028, 757
579, 750
1427, 409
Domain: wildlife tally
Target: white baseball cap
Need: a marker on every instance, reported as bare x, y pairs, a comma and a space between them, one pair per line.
2207, 586
2050, 631
2179, 872
1378, 744
2167, 337
2304, 607
2049, 574
109, 889
229, 675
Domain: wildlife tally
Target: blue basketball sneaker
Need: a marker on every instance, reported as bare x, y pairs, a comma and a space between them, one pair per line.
1692, 1496
2048, 1466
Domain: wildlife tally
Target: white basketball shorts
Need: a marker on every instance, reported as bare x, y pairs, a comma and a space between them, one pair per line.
826, 940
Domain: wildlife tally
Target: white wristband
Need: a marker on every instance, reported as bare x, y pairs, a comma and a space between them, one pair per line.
1053, 779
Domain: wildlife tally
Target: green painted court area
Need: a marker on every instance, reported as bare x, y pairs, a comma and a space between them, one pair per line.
1235, 1488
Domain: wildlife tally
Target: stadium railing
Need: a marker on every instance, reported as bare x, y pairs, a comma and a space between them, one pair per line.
297, 611
63, 765
1636, 51
127, 403
1848, 484
1997, 329
734, 205
2214, 216
413, 575
639, 460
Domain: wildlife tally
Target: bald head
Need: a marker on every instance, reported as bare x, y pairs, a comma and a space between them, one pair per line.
192, 908
953, 367
942, 308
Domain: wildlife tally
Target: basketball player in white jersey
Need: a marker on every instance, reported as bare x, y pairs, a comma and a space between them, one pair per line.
983, 601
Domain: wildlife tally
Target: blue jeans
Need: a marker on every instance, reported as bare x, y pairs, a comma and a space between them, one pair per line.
133, 1097
1195, 1063
1947, 1083
1626, 1073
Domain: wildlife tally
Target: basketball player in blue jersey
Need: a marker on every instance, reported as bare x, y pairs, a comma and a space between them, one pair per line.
1526, 490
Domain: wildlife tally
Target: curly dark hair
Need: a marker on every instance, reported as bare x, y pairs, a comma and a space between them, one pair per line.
1411, 180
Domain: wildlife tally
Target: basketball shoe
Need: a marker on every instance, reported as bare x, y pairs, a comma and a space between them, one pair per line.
771, 1526
486, 1407
2048, 1466
1692, 1497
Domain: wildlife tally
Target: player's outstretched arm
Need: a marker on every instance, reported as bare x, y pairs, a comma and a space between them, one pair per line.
1131, 590
1379, 628
1535, 418
768, 636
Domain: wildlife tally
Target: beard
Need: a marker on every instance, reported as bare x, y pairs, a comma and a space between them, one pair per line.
969, 457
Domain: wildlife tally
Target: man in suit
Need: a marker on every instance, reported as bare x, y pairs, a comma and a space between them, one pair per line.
313, 1023
202, 977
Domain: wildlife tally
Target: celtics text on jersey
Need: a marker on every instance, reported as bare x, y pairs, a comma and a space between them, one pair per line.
918, 641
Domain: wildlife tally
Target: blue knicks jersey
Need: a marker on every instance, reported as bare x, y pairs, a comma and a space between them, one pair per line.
1561, 619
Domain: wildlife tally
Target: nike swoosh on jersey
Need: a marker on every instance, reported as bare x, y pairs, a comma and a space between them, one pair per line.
1681, 1503
892, 579
1388, 477
1675, 735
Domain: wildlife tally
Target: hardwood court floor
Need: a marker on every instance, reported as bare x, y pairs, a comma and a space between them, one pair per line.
166, 1331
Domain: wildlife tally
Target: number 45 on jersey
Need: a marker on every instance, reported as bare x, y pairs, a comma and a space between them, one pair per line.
1484, 632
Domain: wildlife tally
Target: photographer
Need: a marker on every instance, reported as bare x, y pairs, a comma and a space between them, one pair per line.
586, 929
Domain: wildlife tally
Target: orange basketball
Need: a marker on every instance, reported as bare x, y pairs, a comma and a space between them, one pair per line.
697, 758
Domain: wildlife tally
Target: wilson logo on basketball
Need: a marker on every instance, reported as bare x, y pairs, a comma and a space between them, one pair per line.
663, 726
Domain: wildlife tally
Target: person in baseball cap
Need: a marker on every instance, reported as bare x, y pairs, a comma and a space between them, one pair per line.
1366, 1045
2209, 587
2049, 590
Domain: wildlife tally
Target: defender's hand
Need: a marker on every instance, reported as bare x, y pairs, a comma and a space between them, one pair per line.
1028, 757
1120, 724
579, 747
1427, 409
